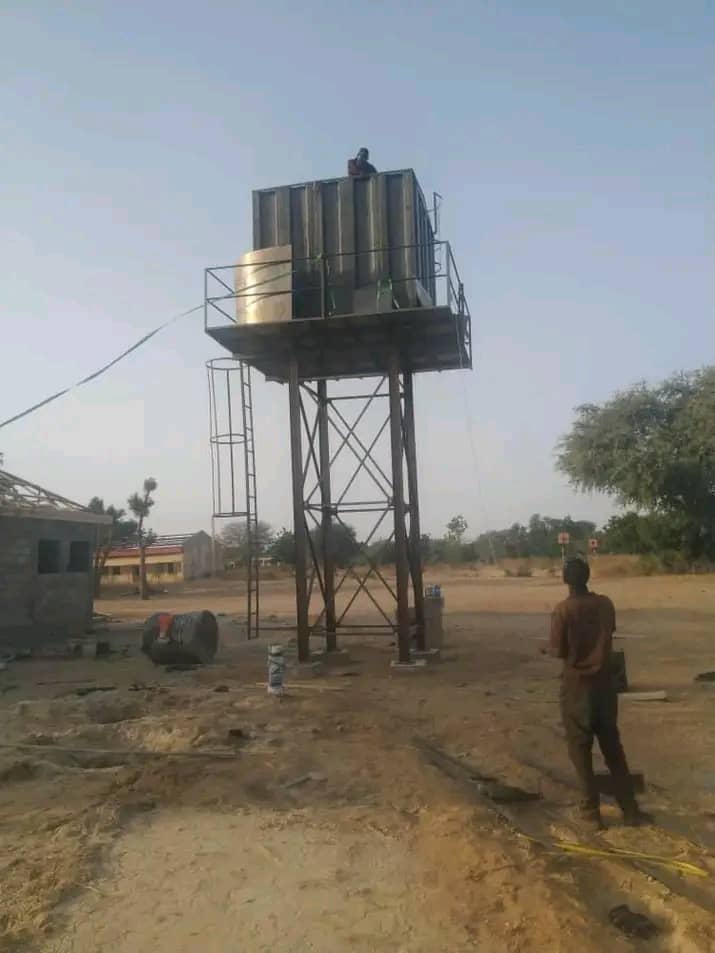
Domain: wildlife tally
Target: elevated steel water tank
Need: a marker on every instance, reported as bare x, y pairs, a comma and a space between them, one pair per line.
371, 236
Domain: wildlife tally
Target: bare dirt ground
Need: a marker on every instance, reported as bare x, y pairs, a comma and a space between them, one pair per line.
105, 851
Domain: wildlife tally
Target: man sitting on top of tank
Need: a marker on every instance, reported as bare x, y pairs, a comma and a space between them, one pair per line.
361, 165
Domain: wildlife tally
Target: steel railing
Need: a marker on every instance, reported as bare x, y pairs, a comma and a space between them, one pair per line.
318, 276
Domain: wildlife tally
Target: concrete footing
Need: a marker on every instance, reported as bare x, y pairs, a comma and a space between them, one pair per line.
306, 670
338, 657
415, 665
429, 655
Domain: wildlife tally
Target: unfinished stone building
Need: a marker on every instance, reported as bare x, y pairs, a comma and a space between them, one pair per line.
47, 546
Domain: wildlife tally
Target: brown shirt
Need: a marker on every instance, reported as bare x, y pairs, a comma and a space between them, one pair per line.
582, 628
361, 167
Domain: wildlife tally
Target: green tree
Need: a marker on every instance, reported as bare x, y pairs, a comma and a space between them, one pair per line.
234, 539
653, 533
426, 547
345, 545
652, 448
282, 548
538, 538
140, 505
381, 552
120, 528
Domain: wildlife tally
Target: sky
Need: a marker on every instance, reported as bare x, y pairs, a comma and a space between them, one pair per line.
572, 142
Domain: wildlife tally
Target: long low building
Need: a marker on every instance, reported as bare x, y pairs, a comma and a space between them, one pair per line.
47, 545
168, 559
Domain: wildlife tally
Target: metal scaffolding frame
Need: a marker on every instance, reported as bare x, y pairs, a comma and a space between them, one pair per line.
233, 467
314, 417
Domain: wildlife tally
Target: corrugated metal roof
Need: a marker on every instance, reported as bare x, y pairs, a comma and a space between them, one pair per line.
160, 546
19, 497
122, 552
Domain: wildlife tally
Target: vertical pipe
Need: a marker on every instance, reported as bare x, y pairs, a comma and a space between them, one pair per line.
412, 489
230, 441
250, 541
448, 251
324, 309
299, 530
213, 546
331, 642
398, 498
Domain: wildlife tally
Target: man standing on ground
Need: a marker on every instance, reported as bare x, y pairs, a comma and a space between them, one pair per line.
582, 628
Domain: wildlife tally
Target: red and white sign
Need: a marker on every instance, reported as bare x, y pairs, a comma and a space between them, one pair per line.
564, 539
593, 545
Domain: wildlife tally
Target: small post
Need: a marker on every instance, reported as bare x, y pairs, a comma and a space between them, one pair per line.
331, 642
402, 569
299, 530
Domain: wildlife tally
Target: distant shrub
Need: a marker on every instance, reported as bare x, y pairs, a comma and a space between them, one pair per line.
649, 565
522, 571
668, 562
610, 567
673, 561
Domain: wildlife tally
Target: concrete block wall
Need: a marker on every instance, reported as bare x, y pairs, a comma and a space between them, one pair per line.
36, 607
198, 558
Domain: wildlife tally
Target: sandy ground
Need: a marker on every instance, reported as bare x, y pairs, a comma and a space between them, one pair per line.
374, 848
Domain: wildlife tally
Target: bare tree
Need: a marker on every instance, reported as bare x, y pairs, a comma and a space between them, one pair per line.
456, 528
235, 540
140, 504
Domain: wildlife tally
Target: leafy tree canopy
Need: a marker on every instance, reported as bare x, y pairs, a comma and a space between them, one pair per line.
654, 448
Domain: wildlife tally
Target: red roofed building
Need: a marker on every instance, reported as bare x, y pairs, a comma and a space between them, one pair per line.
168, 559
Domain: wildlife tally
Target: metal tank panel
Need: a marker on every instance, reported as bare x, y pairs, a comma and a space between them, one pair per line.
374, 231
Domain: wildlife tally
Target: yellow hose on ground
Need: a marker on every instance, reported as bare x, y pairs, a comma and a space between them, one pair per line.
681, 866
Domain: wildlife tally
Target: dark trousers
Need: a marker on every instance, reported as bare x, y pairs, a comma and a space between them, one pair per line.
588, 709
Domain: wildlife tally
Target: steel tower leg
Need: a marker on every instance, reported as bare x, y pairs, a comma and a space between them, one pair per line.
415, 530
402, 566
299, 527
331, 641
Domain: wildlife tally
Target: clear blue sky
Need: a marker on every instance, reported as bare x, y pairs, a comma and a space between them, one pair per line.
572, 142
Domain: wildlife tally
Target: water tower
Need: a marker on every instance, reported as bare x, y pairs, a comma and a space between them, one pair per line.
346, 280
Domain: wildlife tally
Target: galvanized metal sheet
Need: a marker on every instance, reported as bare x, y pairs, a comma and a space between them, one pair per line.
375, 231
